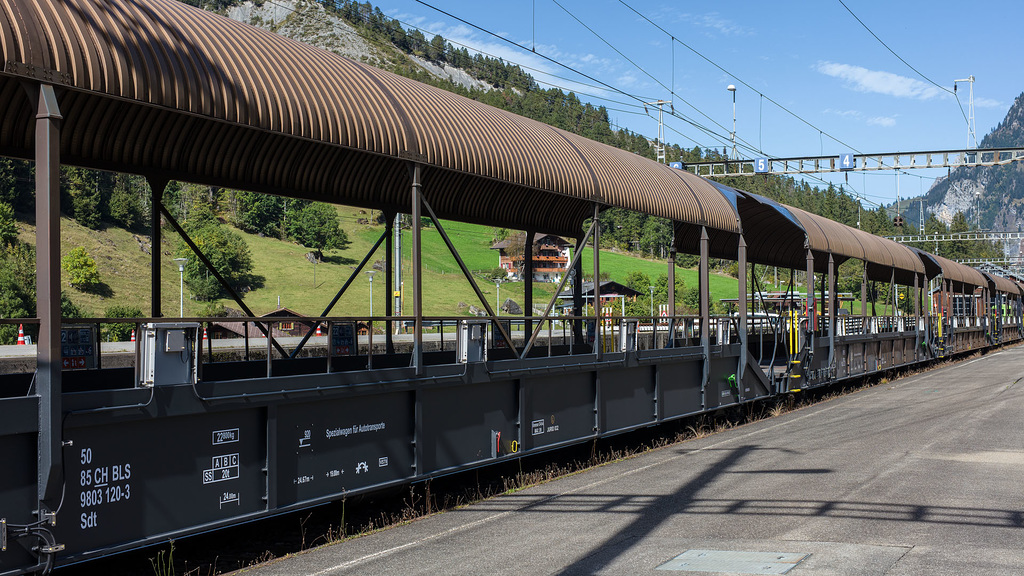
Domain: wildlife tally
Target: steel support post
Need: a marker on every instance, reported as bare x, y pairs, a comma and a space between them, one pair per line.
397, 268
672, 281
596, 237
389, 280
832, 316
705, 314
917, 317
156, 187
811, 308
741, 257
823, 301
864, 293
417, 272
577, 293
528, 292
48, 369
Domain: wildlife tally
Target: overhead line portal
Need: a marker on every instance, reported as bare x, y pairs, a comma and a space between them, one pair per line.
849, 162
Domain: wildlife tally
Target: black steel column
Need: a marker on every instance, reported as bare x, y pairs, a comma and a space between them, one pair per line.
156, 187
48, 376
705, 314
596, 241
917, 317
417, 272
389, 277
528, 292
832, 316
672, 280
577, 295
810, 300
864, 292
741, 256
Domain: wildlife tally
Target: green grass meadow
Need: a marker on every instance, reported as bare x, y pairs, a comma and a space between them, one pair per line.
288, 277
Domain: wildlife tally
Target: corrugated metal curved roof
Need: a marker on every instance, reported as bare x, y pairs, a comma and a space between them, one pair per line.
1002, 284
784, 233
159, 87
964, 278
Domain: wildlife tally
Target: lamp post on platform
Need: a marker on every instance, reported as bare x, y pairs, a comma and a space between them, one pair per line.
181, 286
370, 273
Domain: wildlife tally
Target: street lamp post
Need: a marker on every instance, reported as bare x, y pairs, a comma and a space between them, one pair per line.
652, 301
370, 273
181, 286
732, 88
497, 289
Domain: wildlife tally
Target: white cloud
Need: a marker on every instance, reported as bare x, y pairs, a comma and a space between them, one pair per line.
844, 113
875, 81
988, 103
712, 21
626, 80
883, 121
722, 25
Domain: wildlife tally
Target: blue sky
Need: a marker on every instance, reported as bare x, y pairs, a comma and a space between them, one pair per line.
813, 58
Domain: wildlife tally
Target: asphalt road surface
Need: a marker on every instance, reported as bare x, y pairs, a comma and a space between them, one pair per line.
921, 476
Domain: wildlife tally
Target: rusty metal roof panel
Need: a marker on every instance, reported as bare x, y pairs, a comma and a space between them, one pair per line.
1002, 284
159, 86
959, 273
828, 236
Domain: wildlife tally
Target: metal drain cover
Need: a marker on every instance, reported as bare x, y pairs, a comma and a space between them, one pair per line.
735, 561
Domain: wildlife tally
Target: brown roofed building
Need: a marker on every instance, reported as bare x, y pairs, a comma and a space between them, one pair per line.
550, 256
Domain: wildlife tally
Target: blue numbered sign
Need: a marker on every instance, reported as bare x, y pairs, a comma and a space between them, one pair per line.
761, 166
847, 161
676, 165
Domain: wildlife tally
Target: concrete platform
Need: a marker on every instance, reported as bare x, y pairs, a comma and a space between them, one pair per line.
920, 476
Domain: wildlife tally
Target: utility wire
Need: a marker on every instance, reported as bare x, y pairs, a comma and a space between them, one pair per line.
821, 132
495, 57
636, 107
566, 66
900, 58
640, 100
730, 74
640, 68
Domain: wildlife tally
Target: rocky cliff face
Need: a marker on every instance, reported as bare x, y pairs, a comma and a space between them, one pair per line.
308, 22
993, 195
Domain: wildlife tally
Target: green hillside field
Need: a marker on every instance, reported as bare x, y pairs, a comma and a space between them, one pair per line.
288, 277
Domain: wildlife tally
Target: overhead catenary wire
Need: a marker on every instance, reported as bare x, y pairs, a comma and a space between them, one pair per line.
763, 96
639, 99
601, 84
640, 68
908, 65
736, 78
495, 57
567, 67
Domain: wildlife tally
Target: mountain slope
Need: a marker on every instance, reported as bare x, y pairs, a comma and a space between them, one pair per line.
997, 190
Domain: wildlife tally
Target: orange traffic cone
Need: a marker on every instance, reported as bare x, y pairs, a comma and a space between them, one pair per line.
21, 334
204, 335
133, 336
318, 333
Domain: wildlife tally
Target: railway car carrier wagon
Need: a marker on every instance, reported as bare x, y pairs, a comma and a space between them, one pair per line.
101, 455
